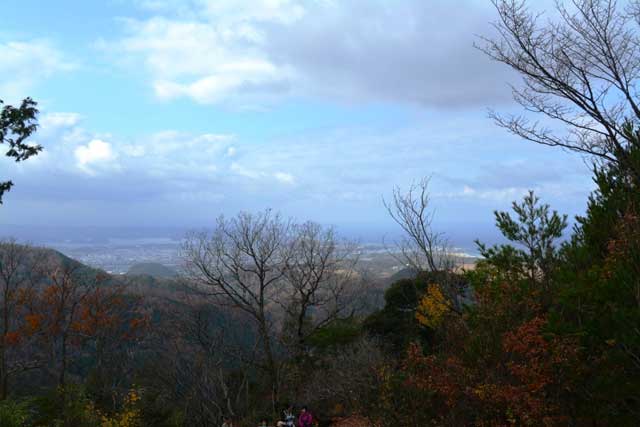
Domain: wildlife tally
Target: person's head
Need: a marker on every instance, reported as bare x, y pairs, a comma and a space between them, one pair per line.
303, 409
263, 422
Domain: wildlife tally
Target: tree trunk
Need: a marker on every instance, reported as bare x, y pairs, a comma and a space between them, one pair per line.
4, 374
63, 362
271, 367
4, 377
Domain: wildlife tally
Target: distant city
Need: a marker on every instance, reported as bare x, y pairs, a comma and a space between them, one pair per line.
115, 250
118, 256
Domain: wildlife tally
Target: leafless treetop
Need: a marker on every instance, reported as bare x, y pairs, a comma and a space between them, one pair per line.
422, 248
580, 71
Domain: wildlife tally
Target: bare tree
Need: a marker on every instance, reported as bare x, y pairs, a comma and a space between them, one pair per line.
422, 248
580, 71
112, 319
18, 264
322, 280
241, 264
300, 277
225, 353
63, 299
205, 360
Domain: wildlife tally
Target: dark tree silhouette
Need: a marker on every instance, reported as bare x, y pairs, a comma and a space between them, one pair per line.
16, 125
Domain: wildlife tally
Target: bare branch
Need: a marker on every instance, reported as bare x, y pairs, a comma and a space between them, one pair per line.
580, 72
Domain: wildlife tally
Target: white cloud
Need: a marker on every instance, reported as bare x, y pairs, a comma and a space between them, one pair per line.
53, 121
251, 53
260, 171
95, 153
26, 63
226, 80
285, 178
134, 150
168, 155
248, 11
170, 152
314, 165
497, 194
296, 172
243, 171
206, 61
216, 137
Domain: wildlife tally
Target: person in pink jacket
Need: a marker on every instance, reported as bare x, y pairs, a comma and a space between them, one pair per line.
305, 419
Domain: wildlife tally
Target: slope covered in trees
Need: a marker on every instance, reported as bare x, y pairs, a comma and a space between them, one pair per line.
152, 269
544, 331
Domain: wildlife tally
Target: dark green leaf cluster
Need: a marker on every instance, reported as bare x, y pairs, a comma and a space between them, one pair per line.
535, 230
16, 125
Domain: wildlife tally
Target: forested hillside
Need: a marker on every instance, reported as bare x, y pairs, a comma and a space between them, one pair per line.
152, 269
270, 314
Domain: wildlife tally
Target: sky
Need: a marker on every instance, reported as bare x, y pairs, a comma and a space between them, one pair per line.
169, 113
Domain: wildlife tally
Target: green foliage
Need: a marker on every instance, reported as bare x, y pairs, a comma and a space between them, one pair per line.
72, 406
16, 125
338, 333
599, 295
512, 283
152, 269
535, 230
396, 324
65, 407
552, 334
14, 414
159, 410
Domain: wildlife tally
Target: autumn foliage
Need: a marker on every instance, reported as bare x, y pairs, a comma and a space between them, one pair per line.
545, 336
56, 316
